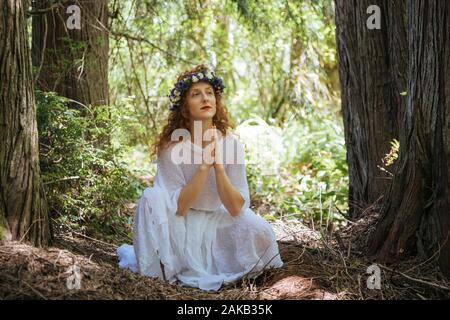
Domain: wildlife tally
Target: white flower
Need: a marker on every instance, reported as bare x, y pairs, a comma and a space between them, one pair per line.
200, 75
209, 75
176, 92
176, 99
194, 79
322, 186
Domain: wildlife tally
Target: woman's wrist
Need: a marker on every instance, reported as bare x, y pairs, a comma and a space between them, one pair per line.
219, 167
205, 167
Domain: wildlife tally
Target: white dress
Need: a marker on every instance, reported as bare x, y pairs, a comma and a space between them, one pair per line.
207, 247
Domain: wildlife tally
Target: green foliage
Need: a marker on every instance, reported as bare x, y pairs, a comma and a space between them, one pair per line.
87, 187
311, 180
390, 157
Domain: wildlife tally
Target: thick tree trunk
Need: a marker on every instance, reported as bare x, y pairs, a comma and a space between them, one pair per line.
416, 213
372, 67
23, 210
72, 62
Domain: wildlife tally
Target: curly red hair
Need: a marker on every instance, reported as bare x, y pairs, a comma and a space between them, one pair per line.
179, 118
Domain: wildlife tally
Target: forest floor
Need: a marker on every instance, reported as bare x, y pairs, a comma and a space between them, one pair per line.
315, 267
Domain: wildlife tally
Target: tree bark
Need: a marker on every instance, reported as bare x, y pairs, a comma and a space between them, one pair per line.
416, 212
72, 62
23, 209
372, 68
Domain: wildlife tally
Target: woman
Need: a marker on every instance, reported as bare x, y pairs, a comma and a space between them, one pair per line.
195, 225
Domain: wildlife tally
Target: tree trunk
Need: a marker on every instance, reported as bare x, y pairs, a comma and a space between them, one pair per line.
416, 212
72, 62
23, 209
372, 68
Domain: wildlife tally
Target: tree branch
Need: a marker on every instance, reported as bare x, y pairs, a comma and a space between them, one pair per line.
141, 39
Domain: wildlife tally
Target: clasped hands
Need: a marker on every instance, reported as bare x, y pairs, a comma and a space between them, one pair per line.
211, 153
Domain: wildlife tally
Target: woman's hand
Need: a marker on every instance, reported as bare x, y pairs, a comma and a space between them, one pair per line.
231, 198
216, 152
211, 154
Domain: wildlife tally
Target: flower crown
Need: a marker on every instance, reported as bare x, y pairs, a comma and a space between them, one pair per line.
182, 86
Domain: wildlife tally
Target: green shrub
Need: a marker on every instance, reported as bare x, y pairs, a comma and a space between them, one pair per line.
87, 186
311, 181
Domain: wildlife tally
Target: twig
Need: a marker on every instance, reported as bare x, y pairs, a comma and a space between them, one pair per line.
87, 237
434, 254
34, 290
45, 10
417, 280
62, 179
359, 287
29, 228
56, 261
339, 240
29, 286
141, 39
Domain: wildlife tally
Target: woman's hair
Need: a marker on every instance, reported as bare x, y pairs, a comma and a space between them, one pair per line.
179, 118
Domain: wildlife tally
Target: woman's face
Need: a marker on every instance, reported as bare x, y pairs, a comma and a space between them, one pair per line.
201, 101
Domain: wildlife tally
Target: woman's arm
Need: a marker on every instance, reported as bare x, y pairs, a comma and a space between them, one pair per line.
190, 192
230, 196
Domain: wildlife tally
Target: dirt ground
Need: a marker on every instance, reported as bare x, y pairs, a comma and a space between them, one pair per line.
315, 267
